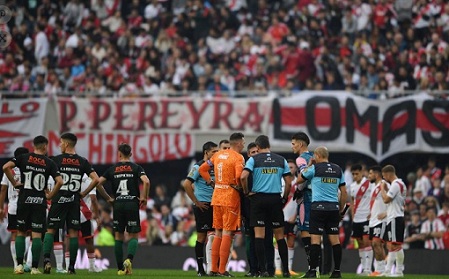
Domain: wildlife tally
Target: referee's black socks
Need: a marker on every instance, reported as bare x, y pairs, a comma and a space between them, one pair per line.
283, 253
315, 252
337, 253
306, 242
199, 253
260, 254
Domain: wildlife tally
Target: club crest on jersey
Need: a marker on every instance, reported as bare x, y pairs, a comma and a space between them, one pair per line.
122, 168
70, 161
35, 160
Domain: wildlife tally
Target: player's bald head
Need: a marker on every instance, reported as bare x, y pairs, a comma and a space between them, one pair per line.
322, 152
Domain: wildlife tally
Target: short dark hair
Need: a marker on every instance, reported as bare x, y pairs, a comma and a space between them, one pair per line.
251, 145
389, 169
291, 161
236, 136
301, 136
262, 142
208, 146
70, 138
39, 140
125, 149
356, 167
223, 141
20, 150
375, 168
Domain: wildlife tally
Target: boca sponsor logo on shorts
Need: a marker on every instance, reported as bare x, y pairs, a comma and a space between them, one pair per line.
55, 219
75, 222
132, 223
35, 160
34, 200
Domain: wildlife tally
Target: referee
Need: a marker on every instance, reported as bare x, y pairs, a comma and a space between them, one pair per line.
326, 179
265, 200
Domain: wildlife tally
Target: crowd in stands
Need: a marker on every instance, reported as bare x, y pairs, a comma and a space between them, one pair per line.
151, 46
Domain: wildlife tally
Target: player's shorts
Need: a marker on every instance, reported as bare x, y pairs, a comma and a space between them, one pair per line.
378, 231
324, 221
395, 231
12, 223
290, 229
126, 218
31, 217
266, 209
360, 229
86, 229
61, 214
226, 217
303, 219
203, 219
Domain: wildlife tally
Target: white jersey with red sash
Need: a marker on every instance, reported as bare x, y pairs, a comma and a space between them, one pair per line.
13, 194
397, 192
377, 206
86, 202
361, 193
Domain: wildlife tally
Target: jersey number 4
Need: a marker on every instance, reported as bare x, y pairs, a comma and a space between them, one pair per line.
123, 188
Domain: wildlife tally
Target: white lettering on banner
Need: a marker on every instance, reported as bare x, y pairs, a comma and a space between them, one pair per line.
82, 261
101, 148
234, 265
187, 114
20, 121
377, 128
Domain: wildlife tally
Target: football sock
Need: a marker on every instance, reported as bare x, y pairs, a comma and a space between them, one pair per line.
48, 244
260, 254
67, 259
73, 248
225, 247
291, 254
132, 248
400, 260
368, 259
36, 249
283, 253
12, 247
215, 253
337, 253
315, 251
199, 253
59, 255
20, 248
118, 249
306, 242
210, 241
91, 257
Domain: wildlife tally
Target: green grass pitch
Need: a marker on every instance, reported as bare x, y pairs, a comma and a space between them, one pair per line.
7, 273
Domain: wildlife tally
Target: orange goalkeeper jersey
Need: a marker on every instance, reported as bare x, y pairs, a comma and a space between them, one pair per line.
228, 166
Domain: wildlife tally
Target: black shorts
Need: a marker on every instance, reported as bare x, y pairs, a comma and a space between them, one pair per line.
290, 229
64, 214
86, 229
59, 236
395, 230
203, 219
324, 221
360, 229
12, 223
31, 217
266, 209
126, 217
377, 231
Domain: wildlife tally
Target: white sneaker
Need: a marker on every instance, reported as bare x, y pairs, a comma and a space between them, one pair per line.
19, 269
61, 271
35, 271
365, 273
96, 269
397, 274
